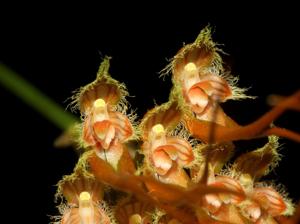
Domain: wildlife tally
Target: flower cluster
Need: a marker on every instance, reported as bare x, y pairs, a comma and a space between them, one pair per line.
174, 165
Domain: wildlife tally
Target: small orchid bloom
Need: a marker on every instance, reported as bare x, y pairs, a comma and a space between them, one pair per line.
258, 203
253, 203
87, 212
203, 91
105, 131
199, 75
213, 202
168, 155
269, 200
102, 126
84, 201
230, 184
200, 83
106, 126
171, 181
132, 211
165, 155
166, 149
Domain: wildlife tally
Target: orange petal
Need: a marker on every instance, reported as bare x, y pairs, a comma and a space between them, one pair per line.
216, 86
258, 162
99, 89
230, 214
88, 137
104, 87
202, 53
184, 150
252, 211
177, 176
204, 217
198, 98
122, 125
101, 128
171, 151
72, 216
162, 162
230, 184
270, 200
71, 187
104, 132
168, 115
206, 86
212, 202
128, 207
217, 154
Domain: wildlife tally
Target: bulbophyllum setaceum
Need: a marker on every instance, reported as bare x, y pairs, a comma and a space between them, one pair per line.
175, 164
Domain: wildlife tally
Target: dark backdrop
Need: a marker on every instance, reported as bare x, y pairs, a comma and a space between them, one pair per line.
59, 49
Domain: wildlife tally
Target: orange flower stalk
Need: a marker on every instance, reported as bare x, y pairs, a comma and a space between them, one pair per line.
174, 166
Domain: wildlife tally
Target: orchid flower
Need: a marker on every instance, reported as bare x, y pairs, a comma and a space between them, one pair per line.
129, 210
106, 126
84, 201
175, 178
201, 80
166, 155
201, 83
256, 203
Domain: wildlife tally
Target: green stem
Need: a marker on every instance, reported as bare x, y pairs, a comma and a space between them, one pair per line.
35, 98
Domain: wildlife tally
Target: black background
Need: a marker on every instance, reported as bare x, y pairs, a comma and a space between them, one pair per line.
59, 49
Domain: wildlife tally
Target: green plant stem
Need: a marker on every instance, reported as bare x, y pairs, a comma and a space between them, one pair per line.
35, 98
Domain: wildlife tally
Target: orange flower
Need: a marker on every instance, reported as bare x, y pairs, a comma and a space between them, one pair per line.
132, 211
168, 155
202, 91
106, 126
175, 182
259, 204
84, 205
103, 127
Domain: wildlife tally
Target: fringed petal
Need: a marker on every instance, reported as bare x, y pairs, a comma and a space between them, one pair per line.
203, 53
184, 150
104, 87
130, 208
123, 127
230, 184
71, 186
72, 216
161, 161
258, 163
167, 114
87, 133
270, 200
